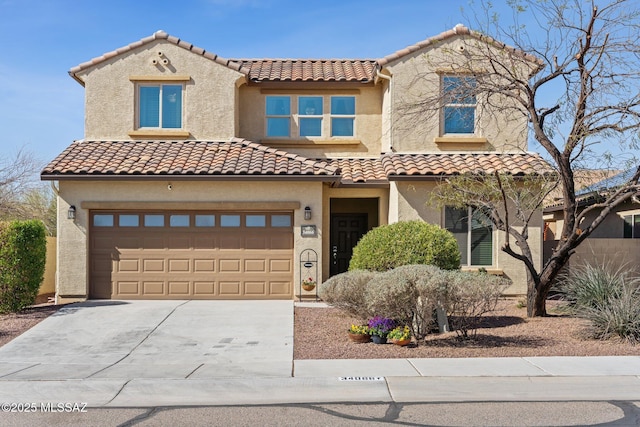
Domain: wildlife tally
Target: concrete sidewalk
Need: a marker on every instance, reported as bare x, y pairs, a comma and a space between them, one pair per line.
398, 380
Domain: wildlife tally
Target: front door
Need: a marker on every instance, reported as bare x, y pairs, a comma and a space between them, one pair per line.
346, 231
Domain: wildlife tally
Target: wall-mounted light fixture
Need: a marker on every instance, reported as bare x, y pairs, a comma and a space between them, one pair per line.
71, 213
307, 213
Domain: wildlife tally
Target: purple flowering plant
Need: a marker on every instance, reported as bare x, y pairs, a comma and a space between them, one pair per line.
380, 326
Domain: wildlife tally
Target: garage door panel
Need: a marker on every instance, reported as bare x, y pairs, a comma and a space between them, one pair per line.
179, 288
204, 265
255, 266
281, 242
179, 243
230, 288
257, 288
280, 266
231, 242
128, 265
229, 265
200, 262
153, 242
153, 265
280, 288
204, 288
128, 288
153, 287
179, 266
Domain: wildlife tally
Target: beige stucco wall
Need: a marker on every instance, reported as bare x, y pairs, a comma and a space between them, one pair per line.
48, 285
416, 78
73, 249
208, 102
412, 199
367, 126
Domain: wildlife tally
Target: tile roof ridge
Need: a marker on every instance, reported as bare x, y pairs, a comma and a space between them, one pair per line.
310, 162
458, 30
304, 59
158, 35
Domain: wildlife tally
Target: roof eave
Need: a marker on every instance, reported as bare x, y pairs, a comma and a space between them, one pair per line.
187, 177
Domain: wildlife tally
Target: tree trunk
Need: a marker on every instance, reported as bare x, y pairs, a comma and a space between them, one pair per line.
540, 303
531, 294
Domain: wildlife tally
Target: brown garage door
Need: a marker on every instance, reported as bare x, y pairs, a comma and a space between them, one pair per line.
191, 255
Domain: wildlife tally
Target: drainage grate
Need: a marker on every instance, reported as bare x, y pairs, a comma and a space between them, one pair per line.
361, 378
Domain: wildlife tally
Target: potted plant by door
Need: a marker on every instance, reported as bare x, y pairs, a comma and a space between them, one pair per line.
379, 328
308, 284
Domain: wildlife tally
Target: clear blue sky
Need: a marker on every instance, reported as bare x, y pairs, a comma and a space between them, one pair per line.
42, 107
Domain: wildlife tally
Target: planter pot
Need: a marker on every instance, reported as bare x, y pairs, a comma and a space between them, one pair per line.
359, 338
379, 340
308, 287
402, 342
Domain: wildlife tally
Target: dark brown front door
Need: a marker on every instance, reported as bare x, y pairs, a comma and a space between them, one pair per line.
346, 231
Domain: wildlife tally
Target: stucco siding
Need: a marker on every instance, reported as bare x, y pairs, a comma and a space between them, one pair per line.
209, 111
368, 123
416, 80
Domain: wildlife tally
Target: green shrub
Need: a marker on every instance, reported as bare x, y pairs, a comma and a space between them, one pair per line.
469, 296
346, 291
23, 248
404, 243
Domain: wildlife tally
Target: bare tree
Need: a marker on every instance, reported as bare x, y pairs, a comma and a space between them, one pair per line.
19, 184
576, 80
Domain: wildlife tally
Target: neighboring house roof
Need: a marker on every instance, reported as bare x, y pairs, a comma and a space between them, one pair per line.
595, 193
406, 166
309, 70
458, 30
235, 159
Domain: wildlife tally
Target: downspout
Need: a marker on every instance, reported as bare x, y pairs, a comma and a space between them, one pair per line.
56, 191
388, 78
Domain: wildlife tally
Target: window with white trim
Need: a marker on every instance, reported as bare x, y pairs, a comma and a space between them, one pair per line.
473, 231
631, 226
306, 116
459, 105
160, 106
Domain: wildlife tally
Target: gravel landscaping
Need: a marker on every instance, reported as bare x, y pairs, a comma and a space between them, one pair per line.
321, 333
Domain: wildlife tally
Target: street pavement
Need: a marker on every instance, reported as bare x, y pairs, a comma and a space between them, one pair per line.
188, 353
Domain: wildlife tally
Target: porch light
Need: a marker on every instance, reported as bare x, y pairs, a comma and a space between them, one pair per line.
71, 213
307, 213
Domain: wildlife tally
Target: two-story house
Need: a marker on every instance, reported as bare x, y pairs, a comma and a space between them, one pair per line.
204, 177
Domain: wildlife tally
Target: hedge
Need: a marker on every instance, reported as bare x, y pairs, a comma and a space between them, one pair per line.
23, 246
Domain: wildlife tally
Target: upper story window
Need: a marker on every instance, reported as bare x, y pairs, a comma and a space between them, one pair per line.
473, 230
343, 114
306, 116
310, 115
278, 116
459, 112
631, 226
160, 106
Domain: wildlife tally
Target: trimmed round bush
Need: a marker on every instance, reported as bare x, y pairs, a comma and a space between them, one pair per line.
346, 291
405, 243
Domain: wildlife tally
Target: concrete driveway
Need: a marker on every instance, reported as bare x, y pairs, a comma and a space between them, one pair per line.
155, 339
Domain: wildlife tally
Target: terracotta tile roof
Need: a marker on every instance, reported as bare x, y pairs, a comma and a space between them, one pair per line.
158, 35
359, 171
309, 70
443, 164
455, 31
182, 158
